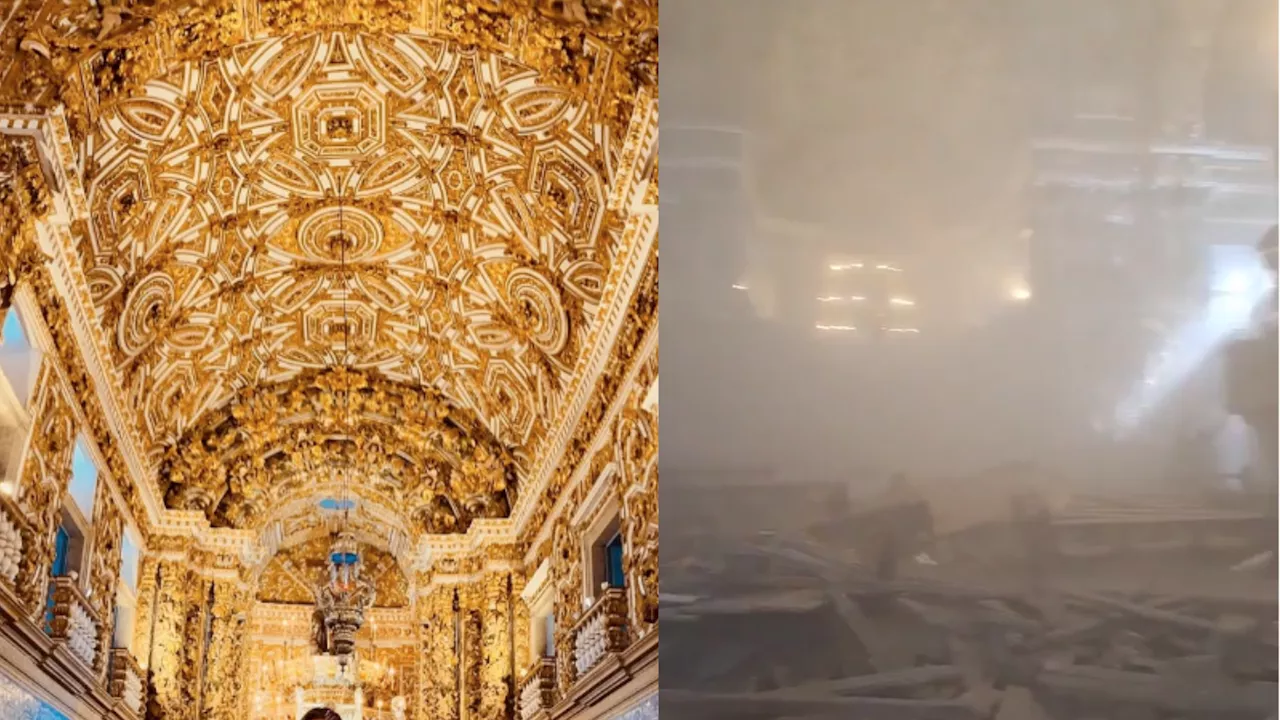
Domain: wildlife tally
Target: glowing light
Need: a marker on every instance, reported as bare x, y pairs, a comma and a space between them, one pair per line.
7, 488
1238, 289
901, 301
740, 286
837, 328
1021, 293
837, 267
838, 298
888, 268
906, 330
1235, 283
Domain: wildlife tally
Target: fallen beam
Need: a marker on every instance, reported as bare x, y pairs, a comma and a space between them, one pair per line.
876, 682
1181, 694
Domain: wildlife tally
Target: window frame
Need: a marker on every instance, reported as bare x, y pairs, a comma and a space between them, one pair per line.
83, 446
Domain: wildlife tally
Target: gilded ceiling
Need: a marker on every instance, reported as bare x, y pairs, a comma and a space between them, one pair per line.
293, 574
361, 240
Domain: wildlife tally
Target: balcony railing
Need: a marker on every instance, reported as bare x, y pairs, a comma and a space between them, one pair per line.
125, 680
601, 631
10, 546
537, 689
73, 621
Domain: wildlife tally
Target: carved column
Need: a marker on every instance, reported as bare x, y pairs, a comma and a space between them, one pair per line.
520, 609
146, 606
226, 652
42, 486
438, 662
496, 673
636, 453
566, 573
104, 570
472, 657
194, 632
175, 653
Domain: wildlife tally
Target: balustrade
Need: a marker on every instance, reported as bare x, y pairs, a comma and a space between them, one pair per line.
10, 546
125, 680
73, 620
537, 689
601, 630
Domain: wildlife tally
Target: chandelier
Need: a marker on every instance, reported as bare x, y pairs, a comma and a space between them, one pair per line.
342, 601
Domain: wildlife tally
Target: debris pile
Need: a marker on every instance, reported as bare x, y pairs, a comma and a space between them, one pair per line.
1093, 609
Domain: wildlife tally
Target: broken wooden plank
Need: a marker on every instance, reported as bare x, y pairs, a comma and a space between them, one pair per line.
884, 653
1203, 694
1145, 612
878, 682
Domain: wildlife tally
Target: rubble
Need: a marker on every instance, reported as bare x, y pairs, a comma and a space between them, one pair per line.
1084, 609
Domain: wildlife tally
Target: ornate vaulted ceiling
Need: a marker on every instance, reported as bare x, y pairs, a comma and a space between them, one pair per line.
344, 239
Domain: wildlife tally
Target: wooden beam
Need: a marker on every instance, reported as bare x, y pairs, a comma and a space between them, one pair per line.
876, 682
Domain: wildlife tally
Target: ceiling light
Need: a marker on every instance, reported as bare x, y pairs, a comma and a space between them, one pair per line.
842, 328
845, 266
901, 301
739, 286
1020, 293
838, 298
908, 330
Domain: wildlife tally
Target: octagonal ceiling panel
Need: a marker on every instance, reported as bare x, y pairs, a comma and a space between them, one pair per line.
464, 198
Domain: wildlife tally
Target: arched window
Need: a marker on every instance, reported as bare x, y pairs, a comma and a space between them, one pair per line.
18, 357
12, 335
84, 480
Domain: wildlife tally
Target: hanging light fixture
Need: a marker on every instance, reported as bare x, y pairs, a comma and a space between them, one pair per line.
342, 601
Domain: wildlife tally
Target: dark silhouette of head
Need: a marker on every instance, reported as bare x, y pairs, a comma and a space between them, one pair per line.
1267, 248
321, 714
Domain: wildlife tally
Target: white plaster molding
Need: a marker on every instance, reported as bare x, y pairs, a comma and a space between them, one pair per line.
650, 402
637, 152
538, 584
597, 499
57, 157
601, 437
641, 233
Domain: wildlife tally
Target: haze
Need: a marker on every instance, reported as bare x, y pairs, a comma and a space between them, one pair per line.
933, 236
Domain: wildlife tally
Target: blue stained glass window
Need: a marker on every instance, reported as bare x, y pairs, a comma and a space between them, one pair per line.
336, 504
613, 562
61, 549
